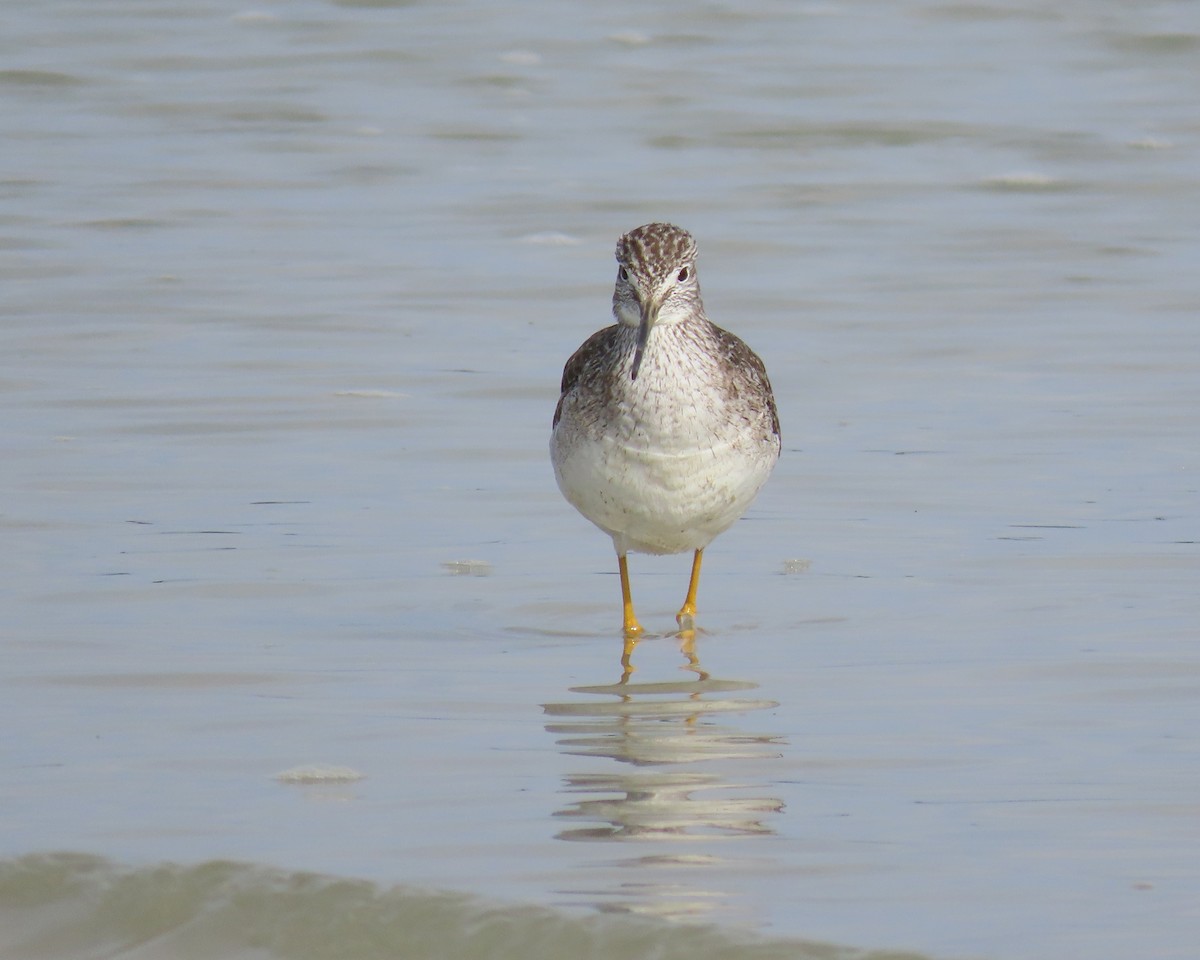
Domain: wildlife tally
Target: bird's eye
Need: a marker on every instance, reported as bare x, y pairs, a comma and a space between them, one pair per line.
683, 274
623, 273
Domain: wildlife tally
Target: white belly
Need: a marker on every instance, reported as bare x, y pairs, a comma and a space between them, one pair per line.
660, 503
662, 476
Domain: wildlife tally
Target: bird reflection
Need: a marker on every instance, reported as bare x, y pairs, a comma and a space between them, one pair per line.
674, 742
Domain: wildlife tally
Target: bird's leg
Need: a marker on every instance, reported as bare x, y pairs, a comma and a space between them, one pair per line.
632, 628
686, 618
687, 647
627, 666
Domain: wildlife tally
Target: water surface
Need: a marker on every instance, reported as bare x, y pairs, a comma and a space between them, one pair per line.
286, 293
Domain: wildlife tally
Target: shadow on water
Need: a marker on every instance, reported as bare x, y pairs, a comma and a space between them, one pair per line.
674, 744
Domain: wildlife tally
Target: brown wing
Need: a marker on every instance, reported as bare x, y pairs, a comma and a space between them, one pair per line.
598, 344
752, 369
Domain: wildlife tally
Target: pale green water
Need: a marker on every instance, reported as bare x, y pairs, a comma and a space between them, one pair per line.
286, 291
231, 910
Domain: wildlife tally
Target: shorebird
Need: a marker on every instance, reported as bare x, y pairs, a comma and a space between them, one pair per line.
666, 427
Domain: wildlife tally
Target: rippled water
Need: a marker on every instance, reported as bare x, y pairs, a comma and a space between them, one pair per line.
286, 291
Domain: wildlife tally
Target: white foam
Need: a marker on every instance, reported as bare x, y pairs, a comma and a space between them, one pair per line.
551, 238
369, 394
1022, 180
319, 773
468, 568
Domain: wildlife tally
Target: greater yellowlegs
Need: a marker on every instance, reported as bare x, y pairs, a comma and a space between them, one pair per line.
666, 428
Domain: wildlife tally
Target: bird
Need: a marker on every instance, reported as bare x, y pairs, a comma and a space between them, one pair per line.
666, 426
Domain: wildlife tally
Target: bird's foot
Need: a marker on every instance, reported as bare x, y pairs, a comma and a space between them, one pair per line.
686, 618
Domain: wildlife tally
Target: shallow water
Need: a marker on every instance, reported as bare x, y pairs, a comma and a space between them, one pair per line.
286, 293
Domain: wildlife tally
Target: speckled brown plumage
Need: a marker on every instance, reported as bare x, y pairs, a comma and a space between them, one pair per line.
666, 426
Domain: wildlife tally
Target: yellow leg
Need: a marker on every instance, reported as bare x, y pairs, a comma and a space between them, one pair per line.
632, 628
686, 618
627, 666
